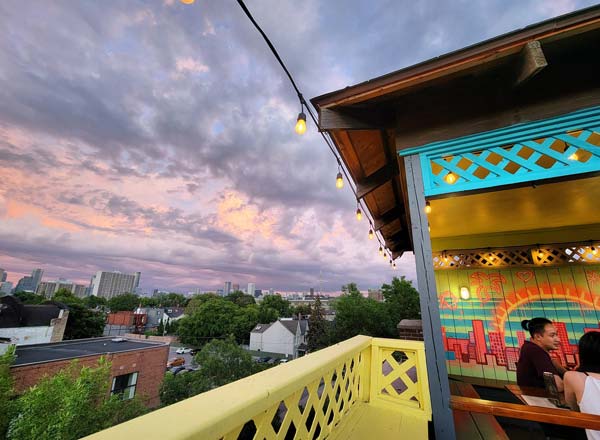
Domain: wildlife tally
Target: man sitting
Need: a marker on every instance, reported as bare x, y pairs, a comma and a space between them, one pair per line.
534, 359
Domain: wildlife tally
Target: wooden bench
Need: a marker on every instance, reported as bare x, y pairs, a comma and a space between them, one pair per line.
473, 425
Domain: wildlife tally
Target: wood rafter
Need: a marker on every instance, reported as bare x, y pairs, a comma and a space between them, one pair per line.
531, 61
374, 181
386, 218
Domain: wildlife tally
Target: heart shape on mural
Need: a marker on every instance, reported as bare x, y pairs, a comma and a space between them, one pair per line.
525, 276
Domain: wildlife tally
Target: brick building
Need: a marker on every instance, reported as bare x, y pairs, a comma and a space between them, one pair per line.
137, 367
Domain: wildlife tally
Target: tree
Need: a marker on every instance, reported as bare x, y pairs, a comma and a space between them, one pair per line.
357, 315
161, 329
92, 302
126, 301
318, 331
213, 319
240, 298
401, 300
7, 405
29, 297
197, 301
301, 309
220, 361
276, 302
71, 404
81, 322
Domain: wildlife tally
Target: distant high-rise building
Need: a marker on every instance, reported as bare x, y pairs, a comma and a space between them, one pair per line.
49, 288
257, 293
251, 289
227, 289
5, 288
136, 280
109, 284
312, 291
3, 275
30, 283
235, 287
376, 294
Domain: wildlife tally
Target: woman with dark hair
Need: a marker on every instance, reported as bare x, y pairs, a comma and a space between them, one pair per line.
534, 358
582, 387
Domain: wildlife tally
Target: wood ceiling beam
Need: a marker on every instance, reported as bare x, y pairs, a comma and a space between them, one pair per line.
531, 61
348, 120
374, 181
386, 218
397, 254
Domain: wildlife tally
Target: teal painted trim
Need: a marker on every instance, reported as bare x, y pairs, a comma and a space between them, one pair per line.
580, 119
513, 155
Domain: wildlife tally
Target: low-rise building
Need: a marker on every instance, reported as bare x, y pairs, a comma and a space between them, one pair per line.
284, 336
24, 324
137, 367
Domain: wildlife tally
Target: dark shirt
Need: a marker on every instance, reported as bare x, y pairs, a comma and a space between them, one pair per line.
533, 362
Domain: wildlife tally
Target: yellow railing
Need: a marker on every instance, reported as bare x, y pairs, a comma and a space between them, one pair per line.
307, 398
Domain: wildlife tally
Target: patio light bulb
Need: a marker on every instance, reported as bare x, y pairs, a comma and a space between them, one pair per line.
540, 253
187, 2
594, 251
465, 293
301, 123
371, 234
394, 265
380, 250
450, 178
427, 208
358, 214
574, 156
339, 181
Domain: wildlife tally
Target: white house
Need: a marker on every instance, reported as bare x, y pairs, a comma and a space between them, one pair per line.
285, 336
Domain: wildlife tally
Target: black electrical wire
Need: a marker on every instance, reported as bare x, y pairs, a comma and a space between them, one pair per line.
303, 103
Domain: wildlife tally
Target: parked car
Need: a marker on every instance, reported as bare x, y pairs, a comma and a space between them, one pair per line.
178, 369
263, 360
175, 362
193, 351
182, 350
283, 361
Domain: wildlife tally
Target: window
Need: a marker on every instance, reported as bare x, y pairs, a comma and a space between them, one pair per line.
124, 385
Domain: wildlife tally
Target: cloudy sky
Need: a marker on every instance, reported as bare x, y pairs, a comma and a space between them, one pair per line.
155, 136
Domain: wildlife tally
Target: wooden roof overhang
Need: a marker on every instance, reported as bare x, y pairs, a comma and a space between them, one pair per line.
538, 72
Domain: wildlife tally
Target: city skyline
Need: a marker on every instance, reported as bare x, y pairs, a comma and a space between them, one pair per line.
160, 138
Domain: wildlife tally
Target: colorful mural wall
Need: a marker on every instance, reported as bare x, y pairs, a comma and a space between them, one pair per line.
482, 335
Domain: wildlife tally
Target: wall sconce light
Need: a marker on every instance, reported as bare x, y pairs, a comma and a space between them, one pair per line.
465, 293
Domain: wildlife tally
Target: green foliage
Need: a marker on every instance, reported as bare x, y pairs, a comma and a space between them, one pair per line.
276, 302
160, 330
7, 405
318, 328
220, 361
197, 301
240, 298
82, 321
357, 315
401, 299
164, 300
29, 297
267, 314
217, 318
301, 309
71, 404
91, 302
126, 301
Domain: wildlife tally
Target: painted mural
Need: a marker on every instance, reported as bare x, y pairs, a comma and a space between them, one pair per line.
482, 334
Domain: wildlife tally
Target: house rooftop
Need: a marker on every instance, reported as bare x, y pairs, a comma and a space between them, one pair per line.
39, 353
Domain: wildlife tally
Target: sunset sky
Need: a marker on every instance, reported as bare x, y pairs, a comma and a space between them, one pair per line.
157, 137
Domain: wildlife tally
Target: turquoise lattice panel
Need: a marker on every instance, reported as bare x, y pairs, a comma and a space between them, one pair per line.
556, 147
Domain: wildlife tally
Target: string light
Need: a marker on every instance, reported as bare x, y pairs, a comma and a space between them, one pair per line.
380, 250
301, 122
339, 181
187, 2
450, 178
427, 208
394, 265
371, 234
445, 256
540, 252
574, 156
594, 251
465, 293
428, 227
358, 213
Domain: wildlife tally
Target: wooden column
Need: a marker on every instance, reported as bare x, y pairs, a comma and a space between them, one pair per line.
430, 314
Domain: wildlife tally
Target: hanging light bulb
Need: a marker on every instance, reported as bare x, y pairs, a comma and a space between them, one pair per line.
428, 227
380, 250
427, 208
450, 178
445, 255
339, 181
540, 252
394, 265
391, 262
594, 251
371, 234
301, 123
574, 156
187, 2
358, 214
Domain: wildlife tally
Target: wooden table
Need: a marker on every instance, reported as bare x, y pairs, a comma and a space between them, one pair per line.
518, 392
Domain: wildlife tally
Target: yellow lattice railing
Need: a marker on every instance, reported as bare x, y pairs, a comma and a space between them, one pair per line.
308, 398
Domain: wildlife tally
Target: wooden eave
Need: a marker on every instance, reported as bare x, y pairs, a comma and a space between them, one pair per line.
371, 121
